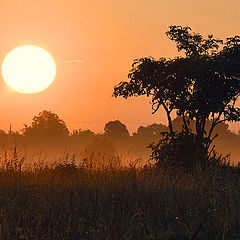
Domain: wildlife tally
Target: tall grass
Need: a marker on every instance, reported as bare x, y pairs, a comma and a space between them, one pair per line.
69, 200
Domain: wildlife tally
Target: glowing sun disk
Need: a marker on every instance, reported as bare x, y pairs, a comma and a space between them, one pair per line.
28, 69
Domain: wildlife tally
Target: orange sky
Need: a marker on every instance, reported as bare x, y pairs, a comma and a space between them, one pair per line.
106, 35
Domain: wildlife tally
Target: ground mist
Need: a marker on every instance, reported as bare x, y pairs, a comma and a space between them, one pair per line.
66, 200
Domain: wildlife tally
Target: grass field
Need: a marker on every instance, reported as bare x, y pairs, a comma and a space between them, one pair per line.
66, 200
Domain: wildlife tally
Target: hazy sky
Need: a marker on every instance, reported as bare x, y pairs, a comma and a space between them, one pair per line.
103, 37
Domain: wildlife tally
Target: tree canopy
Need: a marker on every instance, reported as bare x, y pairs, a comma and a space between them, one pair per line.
153, 130
202, 85
47, 125
116, 129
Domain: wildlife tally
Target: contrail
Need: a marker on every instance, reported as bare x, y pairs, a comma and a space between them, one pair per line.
74, 61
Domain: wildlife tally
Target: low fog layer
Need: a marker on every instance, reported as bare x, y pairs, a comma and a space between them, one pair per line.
48, 139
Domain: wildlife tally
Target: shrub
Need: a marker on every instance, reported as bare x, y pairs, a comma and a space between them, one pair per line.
183, 150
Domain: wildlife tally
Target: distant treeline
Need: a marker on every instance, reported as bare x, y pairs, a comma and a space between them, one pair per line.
49, 128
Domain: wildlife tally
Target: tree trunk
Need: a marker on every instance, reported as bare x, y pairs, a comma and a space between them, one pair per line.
185, 124
170, 126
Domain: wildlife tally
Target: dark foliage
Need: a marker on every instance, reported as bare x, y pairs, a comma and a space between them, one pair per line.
183, 151
201, 86
116, 129
46, 125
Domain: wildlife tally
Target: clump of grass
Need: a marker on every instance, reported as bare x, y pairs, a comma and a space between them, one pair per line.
69, 200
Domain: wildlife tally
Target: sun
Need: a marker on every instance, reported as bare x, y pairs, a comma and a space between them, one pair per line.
28, 69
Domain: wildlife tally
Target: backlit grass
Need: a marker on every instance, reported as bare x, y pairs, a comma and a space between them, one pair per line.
66, 200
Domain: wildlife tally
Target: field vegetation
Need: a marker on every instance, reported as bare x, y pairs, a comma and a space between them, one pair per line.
65, 200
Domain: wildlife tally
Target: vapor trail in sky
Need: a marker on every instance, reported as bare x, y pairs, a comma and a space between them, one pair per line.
74, 61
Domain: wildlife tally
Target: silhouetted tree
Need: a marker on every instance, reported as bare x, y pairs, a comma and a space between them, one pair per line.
116, 129
146, 135
202, 85
151, 131
47, 125
149, 77
82, 133
212, 79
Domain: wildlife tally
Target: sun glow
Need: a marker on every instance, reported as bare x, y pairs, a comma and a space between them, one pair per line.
28, 69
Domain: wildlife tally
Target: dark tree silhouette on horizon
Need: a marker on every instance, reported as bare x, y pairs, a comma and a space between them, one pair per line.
116, 129
202, 85
82, 133
46, 125
150, 130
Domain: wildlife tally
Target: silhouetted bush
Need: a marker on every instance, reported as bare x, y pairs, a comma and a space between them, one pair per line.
183, 150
